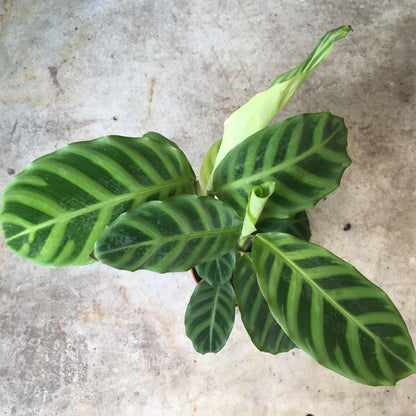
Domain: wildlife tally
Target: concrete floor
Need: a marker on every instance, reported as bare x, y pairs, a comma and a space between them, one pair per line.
95, 341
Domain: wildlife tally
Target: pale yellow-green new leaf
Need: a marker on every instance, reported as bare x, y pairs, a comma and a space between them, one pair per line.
261, 109
207, 165
256, 202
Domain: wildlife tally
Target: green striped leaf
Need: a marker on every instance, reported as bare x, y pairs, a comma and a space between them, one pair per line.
218, 271
264, 331
209, 317
297, 225
333, 312
53, 212
169, 236
304, 155
261, 109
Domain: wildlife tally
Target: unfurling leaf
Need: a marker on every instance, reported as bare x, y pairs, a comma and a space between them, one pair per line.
261, 109
256, 202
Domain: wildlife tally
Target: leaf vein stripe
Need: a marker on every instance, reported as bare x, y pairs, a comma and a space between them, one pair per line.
177, 237
99, 205
273, 169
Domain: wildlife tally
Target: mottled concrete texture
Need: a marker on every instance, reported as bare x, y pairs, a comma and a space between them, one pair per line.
95, 341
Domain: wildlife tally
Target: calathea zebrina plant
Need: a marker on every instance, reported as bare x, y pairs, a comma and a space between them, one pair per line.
134, 203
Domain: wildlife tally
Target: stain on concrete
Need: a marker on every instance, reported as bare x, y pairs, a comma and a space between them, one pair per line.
46, 359
53, 72
13, 129
4, 8
123, 291
99, 312
151, 94
149, 347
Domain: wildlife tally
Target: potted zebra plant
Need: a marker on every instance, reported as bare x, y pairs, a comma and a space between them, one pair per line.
134, 203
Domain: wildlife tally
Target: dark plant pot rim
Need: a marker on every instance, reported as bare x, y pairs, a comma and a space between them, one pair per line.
197, 278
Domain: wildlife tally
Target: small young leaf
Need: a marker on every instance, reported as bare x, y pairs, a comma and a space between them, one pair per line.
332, 311
209, 317
171, 235
263, 329
256, 202
218, 271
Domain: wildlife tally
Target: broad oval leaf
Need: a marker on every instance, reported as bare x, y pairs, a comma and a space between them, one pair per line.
209, 317
261, 109
170, 236
53, 212
219, 270
297, 225
264, 331
332, 311
304, 155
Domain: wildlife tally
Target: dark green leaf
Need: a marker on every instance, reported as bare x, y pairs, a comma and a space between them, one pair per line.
168, 236
332, 311
304, 155
263, 329
218, 271
53, 212
297, 225
209, 316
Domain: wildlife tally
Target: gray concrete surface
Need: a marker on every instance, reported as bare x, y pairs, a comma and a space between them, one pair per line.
95, 341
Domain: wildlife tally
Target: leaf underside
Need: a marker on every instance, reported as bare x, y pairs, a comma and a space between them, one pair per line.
53, 212
304, 155
169, 236
209, 317
333, 312
264, 331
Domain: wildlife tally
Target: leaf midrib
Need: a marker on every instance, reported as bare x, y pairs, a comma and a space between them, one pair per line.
213, 313
281, 166
90, 208
176, 237
331, 301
